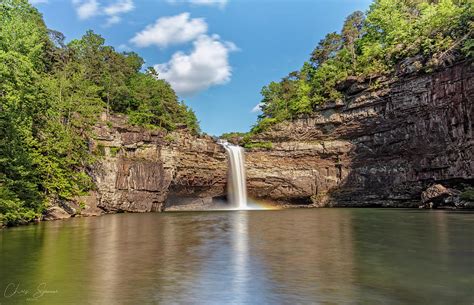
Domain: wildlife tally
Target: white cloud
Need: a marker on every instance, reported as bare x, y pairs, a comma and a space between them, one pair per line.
38, 1
257, 107
206, 65
86, 9
113, 20
119, 7
171, 30
219, 3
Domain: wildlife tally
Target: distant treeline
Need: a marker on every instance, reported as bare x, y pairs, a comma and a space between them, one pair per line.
51, 94
372, 44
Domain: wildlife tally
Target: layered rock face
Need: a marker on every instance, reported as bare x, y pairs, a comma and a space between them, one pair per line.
143, 171
386, 143
382, 146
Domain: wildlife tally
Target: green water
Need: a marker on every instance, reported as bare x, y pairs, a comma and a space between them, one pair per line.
301, 256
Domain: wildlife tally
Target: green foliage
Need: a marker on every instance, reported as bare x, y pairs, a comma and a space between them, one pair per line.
263, 125
153, 103
468, 194
369, 45
99, 150
51, 94
169, 138
351, 32
262, 145
22, 31
326, 49
114, 151
232, 135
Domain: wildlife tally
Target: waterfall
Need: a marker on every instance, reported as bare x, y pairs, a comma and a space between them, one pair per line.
236, 187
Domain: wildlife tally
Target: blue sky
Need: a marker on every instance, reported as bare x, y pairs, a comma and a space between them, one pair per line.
217, 54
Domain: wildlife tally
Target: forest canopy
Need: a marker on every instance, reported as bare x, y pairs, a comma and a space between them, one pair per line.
51, 95
372, 44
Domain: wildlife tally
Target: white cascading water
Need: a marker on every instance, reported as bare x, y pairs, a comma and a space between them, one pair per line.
237, 188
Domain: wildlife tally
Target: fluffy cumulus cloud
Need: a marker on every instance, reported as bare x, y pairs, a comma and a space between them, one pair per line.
206, 65
86, 9
219, 3
170, 31
114, 10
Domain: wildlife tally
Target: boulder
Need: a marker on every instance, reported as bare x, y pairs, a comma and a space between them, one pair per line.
438, 195
55, 213
436, 192
70, 207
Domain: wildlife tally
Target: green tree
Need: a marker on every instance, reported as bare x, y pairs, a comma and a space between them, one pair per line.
327, 48
51, 94
351, 32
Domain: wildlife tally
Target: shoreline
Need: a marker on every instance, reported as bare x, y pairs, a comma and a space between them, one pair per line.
276, 208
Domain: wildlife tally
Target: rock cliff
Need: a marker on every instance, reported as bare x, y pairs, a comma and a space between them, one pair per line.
143, 171
387, 142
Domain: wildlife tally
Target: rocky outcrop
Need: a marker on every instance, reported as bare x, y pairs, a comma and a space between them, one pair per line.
142, 171
435, 195
438, 196
198, 168
385, 144
55, 213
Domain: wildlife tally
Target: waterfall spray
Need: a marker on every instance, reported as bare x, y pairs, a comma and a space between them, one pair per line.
236, 187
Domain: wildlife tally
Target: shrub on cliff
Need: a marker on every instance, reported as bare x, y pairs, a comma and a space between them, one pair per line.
259, 145
468, 194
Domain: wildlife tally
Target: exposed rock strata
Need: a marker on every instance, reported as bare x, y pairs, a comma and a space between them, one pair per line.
380, 147
143, 171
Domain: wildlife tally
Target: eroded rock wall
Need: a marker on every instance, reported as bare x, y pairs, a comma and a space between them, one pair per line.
142, 171
380, 147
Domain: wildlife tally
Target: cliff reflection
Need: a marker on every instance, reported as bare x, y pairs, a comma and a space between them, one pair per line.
306, 256
327, 256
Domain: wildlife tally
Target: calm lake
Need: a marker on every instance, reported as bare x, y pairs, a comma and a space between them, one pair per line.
299, 256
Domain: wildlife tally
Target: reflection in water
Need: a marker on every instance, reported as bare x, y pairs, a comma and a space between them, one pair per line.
240, 256
325, 256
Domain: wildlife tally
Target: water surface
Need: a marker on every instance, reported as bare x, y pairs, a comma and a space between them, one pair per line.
300, 256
